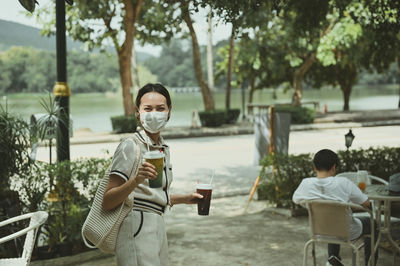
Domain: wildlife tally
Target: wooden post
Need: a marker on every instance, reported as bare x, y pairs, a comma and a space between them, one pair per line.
253, 190
272, 145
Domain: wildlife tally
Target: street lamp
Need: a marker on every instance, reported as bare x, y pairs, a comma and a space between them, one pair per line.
349, 137
61, 89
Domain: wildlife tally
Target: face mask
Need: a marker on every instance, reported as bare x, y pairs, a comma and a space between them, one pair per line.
153, 122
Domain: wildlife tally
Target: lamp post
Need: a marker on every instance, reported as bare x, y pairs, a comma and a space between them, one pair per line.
61, 90
348, 138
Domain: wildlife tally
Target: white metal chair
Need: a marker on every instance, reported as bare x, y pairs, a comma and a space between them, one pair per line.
330, 223
353, 177
36, 220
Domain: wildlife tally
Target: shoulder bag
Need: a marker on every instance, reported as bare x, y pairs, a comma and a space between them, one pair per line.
101, 227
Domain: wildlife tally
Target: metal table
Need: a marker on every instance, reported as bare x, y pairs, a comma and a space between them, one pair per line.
382, 205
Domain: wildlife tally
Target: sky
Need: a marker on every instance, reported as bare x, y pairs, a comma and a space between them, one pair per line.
12, 10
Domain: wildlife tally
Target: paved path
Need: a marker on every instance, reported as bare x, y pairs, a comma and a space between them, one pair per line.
230, 238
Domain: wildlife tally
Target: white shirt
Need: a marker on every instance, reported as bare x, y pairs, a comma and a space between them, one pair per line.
332, 188
145, 198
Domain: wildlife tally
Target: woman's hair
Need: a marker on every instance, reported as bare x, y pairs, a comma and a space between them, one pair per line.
150, 87
325, 159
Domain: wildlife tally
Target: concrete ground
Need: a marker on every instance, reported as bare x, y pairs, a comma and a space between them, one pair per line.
228, 236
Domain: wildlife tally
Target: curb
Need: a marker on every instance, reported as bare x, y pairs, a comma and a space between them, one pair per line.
73, 259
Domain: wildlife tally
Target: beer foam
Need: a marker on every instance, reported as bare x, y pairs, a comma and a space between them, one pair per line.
153, 155
204, 186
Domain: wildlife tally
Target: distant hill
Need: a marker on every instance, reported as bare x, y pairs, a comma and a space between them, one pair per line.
16, 34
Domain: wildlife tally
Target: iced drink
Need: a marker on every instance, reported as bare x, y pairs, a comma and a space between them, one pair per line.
156, 158
203, 205
362, 179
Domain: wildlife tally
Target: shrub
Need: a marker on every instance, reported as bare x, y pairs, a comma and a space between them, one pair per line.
232, 116
124, 123
278, 187
300, 115
214, 118
381, 162
65, 190
69, 200
15, 142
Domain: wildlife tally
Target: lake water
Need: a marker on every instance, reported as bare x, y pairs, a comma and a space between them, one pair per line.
94, 110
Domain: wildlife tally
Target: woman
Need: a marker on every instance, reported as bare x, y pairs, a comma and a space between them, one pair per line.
142, 237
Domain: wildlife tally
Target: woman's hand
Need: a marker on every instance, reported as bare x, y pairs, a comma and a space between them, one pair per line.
146, 171
192, 198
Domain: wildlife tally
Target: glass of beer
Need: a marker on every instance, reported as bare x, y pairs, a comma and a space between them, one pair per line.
156, 158
362, 179
203, 205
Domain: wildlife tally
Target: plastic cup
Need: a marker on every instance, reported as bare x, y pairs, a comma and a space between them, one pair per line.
156, 158
203, 205
362, 179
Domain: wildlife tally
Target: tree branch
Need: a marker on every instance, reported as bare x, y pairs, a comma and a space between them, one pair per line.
107, 23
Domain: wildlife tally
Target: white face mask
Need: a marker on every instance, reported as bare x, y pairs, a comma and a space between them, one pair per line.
153, 122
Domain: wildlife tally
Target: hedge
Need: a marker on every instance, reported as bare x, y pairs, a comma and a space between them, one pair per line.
232, 116
124, 123
214, 118
300, 115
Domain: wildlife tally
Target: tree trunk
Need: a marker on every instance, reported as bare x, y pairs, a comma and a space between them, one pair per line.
398, 67
346, 77
208, 98
210, 68
298, 79
125, 54
346, 97
251, 92
302, 70
135, 76
230, 68
124, 60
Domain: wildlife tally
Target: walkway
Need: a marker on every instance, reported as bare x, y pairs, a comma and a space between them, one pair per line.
230, 238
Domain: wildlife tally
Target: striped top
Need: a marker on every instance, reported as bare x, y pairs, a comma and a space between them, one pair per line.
145, 198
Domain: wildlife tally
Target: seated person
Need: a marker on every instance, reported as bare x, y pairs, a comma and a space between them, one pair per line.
327, 186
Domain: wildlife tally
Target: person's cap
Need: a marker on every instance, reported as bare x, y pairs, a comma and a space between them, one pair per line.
394, 184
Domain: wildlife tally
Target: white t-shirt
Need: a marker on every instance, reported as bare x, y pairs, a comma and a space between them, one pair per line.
332, 188
145, 198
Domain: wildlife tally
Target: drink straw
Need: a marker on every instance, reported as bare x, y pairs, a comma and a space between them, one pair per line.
212, 176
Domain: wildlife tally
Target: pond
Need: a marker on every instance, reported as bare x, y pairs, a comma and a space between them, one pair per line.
94, 110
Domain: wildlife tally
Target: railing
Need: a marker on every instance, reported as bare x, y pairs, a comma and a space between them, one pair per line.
263, 107
185, 89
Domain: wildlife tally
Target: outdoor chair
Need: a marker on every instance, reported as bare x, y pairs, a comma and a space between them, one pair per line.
36, 220
330, 223
352, 176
